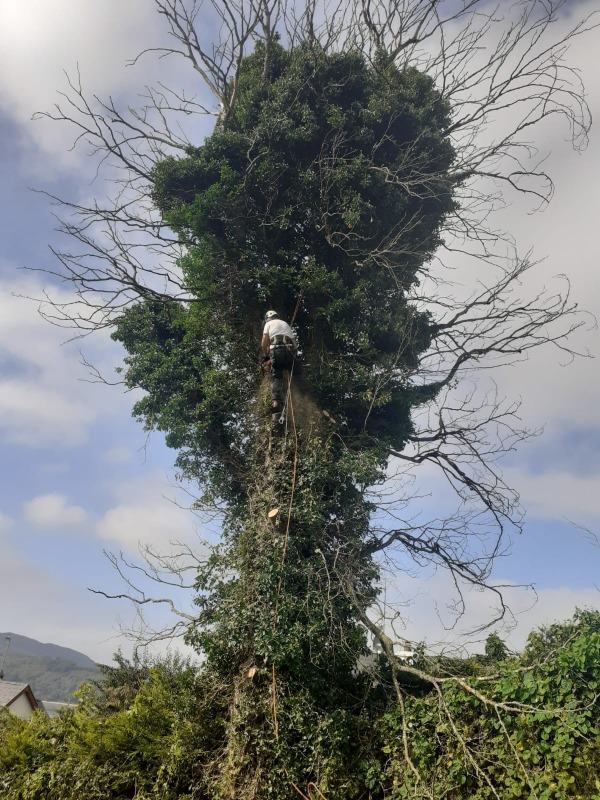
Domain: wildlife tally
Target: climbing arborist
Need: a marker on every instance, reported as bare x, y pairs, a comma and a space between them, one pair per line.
280, 354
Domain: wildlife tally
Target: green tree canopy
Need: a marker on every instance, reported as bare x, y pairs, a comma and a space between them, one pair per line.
322, 197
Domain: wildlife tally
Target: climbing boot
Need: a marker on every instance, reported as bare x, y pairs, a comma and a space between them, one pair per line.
276, 410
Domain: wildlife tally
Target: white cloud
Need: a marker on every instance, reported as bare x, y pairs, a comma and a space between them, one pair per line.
157, 523
35, 415
556, 495
118, 455
93, 43
36, 603
153, 541
426, 611
5, 523
553, 605
556, 393
564, 235
53, 511
44, 398
144, 514
41, 39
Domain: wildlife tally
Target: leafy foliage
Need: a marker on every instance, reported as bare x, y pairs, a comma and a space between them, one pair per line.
530, 729
291, 206
153, 746
514, 729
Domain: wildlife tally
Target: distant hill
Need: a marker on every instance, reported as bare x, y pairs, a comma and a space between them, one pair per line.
53, 672
25, 646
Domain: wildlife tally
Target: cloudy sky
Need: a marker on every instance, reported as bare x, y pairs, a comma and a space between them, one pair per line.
80, 477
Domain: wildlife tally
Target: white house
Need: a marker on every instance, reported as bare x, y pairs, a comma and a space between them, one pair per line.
18, 698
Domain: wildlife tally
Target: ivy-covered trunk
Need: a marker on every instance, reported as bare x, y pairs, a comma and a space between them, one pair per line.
279, 625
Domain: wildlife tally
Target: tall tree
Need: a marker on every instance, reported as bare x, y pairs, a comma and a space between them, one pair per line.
349, 146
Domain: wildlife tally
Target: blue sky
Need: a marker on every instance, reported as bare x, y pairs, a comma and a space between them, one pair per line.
80, 476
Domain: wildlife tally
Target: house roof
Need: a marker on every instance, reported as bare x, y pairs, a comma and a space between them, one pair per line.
10, 691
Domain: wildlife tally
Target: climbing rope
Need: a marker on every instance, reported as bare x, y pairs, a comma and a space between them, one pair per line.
289, 401
283, 419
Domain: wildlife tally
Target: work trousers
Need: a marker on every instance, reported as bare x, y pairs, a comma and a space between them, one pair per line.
283, 359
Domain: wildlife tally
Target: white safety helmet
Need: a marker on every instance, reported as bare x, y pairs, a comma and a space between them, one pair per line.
270, 315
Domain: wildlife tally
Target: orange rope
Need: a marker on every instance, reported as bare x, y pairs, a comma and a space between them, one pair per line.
274, 693
299, 791
296, 309
291, 503
311, 786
